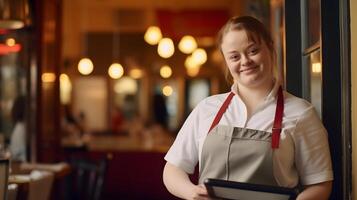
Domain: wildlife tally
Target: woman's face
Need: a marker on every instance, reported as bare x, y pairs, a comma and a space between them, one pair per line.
249, 63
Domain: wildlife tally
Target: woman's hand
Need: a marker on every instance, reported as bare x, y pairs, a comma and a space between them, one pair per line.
319, 191
179, 184
199, 192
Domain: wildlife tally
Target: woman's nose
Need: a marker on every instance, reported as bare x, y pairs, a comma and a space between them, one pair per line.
245, 60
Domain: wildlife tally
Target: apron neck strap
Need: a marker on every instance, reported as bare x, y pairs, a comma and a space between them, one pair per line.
277, 120
221, 111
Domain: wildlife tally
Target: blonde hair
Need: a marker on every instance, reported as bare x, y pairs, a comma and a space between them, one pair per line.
256, 32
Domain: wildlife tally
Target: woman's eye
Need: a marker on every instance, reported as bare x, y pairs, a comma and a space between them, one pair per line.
253, 51
234, 57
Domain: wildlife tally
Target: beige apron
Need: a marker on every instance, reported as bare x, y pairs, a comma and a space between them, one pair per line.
240, 154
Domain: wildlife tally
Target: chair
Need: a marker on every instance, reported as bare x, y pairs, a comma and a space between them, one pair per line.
4, 176
40, 185
87, 178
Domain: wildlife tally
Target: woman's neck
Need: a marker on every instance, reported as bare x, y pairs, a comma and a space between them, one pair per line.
252, 97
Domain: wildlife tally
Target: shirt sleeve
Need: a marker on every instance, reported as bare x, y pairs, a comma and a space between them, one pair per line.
184, 151
312, 153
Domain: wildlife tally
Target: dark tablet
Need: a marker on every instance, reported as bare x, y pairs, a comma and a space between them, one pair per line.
230, 190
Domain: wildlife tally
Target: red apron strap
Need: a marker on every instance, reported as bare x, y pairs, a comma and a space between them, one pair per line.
221, 111
278, 120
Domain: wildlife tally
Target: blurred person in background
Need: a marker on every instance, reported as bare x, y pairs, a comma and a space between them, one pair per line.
117, 121
18, 137
160, 110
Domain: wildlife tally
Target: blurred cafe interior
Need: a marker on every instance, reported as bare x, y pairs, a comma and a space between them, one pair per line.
93, 92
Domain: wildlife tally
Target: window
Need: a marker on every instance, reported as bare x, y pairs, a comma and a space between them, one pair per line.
311, 45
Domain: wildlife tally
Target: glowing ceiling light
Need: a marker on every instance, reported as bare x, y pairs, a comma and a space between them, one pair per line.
153, 35
165, 71
48, 77
191, 63
192, 67
193, 71
65, 89
200, 56
85, 66
10, 42
115, 71
166, 48
316, 68
187, 44
167, 90
136, 73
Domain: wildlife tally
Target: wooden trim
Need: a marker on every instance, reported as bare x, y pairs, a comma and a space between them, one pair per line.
312, 48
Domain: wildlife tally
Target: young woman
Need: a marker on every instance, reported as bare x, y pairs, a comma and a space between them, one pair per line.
256, 133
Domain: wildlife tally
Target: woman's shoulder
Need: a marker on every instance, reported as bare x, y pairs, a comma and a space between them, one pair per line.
295, 105
209, 105
213, 100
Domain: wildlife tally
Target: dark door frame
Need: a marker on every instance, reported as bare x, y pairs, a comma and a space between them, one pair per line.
336, 93
345, 63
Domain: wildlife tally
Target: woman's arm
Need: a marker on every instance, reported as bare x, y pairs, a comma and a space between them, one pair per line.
179, 184
319, 191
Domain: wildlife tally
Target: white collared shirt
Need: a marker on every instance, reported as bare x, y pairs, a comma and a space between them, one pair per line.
303, 154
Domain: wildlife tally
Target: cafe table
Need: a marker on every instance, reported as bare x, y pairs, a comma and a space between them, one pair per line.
20, 175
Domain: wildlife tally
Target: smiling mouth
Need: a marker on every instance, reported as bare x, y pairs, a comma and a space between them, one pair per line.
247, 69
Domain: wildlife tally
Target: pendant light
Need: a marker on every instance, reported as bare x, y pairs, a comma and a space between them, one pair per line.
153, 35
199, 56
167, 90
165, 71
192, 66
85, 65
166, 48
187, 44
116, 70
